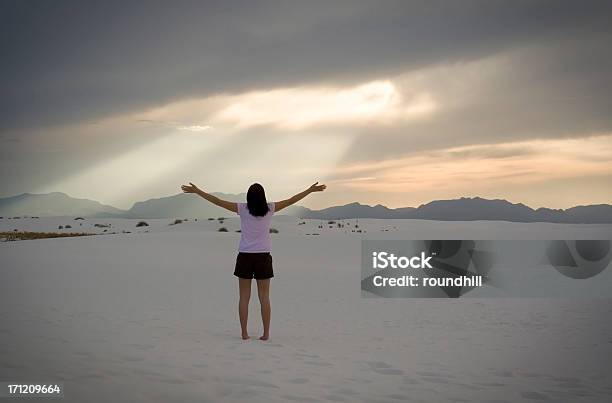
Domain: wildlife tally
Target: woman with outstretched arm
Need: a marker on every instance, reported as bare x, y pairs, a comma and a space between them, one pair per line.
254, 259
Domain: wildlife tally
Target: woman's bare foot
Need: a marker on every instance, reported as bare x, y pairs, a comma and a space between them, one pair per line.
245, 336
264, 337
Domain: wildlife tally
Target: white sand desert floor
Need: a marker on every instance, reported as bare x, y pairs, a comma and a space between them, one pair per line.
152, 317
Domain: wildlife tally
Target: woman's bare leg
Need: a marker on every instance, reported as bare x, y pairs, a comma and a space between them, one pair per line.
263, 290
243, 305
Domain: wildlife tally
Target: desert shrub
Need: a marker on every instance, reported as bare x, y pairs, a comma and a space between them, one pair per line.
142, 224
68, 226
60, 227
79, 218
210, 219
238, 230
221, 218
25, 235
222, 229
331, 222
177, 221
273, 231
102, 225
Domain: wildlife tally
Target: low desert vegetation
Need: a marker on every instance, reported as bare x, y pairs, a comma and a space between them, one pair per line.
79, 218
222, 229
273, 231
142, 224
102, 225
177, 221
27, 235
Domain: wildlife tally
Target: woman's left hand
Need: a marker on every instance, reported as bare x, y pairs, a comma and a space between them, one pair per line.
316, 187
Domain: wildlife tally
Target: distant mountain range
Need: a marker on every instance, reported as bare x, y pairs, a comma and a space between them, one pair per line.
61, 204
184, 205
54, 204
470, 209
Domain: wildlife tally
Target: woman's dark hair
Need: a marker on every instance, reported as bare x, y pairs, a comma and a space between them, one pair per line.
256, 200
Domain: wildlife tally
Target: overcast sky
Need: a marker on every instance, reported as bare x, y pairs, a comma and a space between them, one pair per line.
388, 102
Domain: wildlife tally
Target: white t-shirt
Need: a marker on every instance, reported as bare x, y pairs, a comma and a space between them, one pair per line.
254, 231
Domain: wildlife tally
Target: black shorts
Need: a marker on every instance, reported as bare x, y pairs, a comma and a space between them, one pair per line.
254, 265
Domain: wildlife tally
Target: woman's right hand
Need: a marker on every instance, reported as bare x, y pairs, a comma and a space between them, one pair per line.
191, 188
316, 187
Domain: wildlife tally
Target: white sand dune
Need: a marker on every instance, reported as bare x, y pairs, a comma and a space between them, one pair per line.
152, 317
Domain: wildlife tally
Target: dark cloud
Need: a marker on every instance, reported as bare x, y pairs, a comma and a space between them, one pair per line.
561, 90
69, 61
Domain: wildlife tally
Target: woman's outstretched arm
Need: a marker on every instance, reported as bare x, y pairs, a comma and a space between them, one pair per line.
292, 200
191, 188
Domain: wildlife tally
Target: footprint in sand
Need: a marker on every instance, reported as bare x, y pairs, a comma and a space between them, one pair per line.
383, 368
251, 382
395, 396
299, 380
318, 363
344, 391
433, 379
534, 396
131, 358
435, 374
306, 355
335, 398
299, 398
